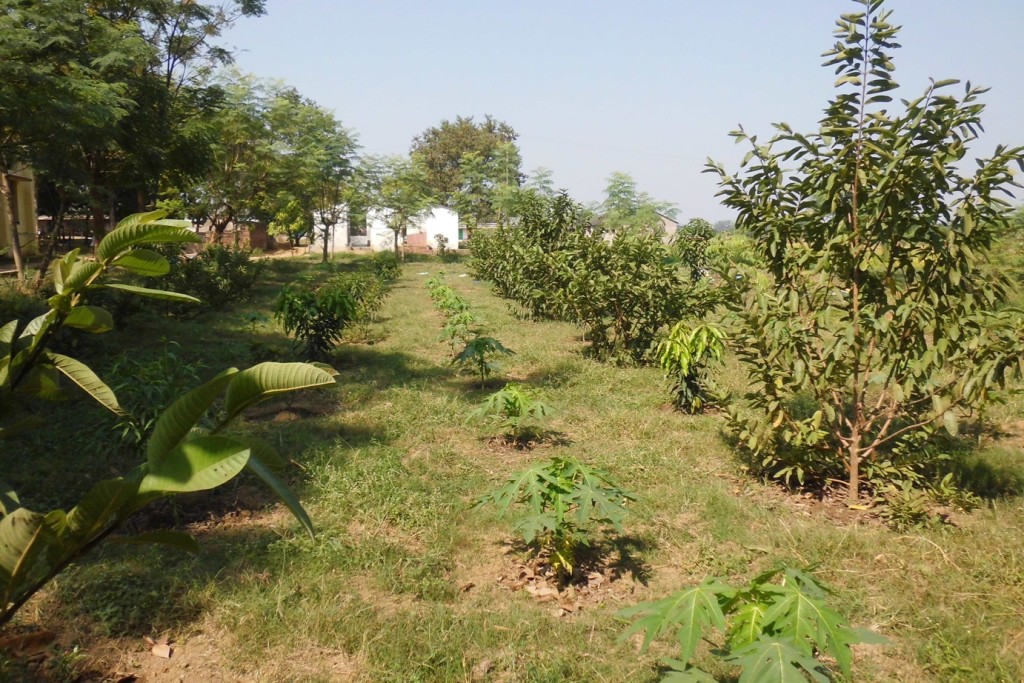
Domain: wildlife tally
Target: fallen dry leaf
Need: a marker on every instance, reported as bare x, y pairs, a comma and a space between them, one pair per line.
162, 650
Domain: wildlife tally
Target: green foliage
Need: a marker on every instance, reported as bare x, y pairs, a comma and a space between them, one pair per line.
774, 632
878, 307
479, 355
621, 292
145, 388
458, 328
218, 276
691, 244
686, 355
627, 210
181, 456
317, 315
565, 500
513, 407
386, 266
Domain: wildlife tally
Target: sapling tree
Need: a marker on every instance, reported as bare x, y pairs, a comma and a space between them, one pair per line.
686, 356
877, 311
514, 407
479, 354
566, 500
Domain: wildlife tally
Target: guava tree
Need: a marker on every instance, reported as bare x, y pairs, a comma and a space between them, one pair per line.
878, 322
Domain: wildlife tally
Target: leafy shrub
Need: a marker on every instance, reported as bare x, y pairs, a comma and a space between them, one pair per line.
386, 266
513, 407
315, 315
686, 355
566, 500
147, 388
181, 457
774, 632
623, 293
691, 244
217, 275
479, 354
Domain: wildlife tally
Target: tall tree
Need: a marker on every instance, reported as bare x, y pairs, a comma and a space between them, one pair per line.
628, 210
878, 308
405, 197
55, 91
441, 150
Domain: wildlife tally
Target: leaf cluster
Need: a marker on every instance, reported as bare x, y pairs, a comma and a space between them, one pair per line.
686, 356
774, 632
181, 456
565, 500
513, 406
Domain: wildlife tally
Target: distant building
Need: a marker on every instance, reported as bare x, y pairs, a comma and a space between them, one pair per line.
371, 231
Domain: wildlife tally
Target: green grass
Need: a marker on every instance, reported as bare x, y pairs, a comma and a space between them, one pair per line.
389, 474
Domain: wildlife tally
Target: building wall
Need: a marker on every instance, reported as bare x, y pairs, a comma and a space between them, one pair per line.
26, 219
440, 221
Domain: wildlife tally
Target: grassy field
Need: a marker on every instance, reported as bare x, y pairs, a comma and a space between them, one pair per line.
407, 582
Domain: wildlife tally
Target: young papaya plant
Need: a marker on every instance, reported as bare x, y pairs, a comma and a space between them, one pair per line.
513, 407
180, 456
686, 356
458, 329
774, 632
565, 500
479, 354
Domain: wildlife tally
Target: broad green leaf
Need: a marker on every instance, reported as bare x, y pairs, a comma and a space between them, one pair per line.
171, 539
282, 491
175, 423
7, 333
144, 217
86, 379
689, 613
81, 272
92, 319
267, 379
130, 234
203, 463
107, 502
775, 660
683, 673
143, 262
26, 538
151, 293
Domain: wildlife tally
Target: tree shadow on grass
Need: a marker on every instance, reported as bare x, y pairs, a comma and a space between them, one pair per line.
384, 369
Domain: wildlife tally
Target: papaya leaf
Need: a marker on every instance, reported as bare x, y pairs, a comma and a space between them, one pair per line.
776, 660
689, 613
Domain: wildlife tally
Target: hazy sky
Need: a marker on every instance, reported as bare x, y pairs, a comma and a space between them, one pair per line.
648, 87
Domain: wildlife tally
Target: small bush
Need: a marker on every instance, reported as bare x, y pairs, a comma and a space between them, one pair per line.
686, 355
479, 355
514, 407
566, 500
217, 276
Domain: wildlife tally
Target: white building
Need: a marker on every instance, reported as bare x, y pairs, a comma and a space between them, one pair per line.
377, 236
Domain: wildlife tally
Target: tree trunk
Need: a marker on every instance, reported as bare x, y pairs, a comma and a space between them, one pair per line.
397, 256
7, 199
853, 493
56, 228
327, 236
